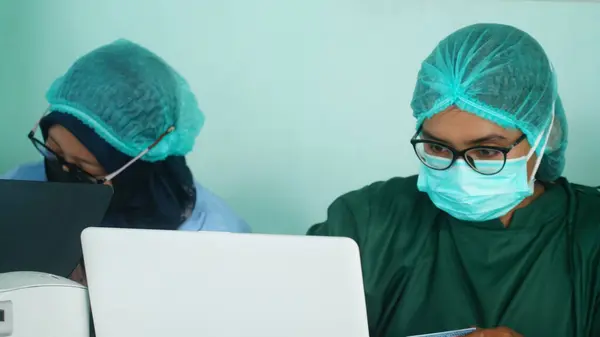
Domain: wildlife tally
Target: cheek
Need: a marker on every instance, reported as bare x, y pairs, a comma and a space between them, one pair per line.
518, 152
52, 146
531, 165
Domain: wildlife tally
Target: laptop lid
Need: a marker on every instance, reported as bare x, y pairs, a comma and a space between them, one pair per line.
156, 283
41, 223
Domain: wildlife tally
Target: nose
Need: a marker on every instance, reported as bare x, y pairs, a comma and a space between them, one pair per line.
470, 161
68, 163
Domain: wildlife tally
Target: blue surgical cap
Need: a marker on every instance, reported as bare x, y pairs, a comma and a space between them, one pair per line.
501, 74
130, 97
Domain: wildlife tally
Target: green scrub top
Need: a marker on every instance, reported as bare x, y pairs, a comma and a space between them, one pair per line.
426, 272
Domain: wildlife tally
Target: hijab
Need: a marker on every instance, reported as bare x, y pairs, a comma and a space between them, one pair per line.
151, 195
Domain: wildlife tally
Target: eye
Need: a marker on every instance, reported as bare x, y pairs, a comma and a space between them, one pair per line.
486, 154
52, 146
435, 148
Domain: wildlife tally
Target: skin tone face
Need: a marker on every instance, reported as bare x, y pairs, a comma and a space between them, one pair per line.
460, 130
66, 145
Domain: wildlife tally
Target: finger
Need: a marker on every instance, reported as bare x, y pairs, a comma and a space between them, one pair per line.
488, 333
497, 332
509, 332
477, 333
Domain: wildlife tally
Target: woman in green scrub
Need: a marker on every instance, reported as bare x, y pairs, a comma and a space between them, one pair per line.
488, 234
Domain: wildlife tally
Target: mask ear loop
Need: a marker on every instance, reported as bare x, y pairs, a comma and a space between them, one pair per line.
541, 155
539, 158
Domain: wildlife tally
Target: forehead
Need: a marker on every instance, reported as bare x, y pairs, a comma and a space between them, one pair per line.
457, 125
68, 143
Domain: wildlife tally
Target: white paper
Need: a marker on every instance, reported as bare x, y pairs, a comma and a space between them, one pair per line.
453, 333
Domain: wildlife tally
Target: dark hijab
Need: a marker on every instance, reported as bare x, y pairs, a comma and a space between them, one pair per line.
151, 195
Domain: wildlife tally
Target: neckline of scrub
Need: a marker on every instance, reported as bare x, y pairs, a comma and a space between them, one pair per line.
547, 207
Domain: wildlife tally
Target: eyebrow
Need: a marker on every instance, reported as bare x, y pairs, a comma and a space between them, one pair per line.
78, 159
485, 139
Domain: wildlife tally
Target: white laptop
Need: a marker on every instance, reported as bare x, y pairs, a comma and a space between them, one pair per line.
155, 283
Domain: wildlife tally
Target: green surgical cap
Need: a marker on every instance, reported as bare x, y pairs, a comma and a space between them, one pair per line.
130, 97
502, 74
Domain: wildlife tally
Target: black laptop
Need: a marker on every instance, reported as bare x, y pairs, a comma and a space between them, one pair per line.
41, 223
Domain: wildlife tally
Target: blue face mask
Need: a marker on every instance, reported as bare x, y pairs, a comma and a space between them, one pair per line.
471, 196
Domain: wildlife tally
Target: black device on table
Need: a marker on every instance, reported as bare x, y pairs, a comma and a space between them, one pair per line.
41, 223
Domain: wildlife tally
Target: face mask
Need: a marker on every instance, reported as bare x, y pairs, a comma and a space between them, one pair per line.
56, 173
470, 196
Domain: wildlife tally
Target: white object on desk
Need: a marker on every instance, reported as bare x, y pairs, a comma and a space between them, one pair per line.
37, 304
187, 284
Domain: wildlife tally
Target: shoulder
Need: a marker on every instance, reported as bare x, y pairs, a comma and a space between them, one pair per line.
31, 171
211, 213
584, 214
395, 192
380, 199
585, 206
377, 210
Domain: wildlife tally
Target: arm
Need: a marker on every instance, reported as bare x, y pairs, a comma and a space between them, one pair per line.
348, 216
340, 222
375, 217
30, 172
596, 323
211, 213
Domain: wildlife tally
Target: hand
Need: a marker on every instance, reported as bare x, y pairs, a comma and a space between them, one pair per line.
78, 275
497, 332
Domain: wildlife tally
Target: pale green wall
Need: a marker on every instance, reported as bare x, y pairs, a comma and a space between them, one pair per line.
16, 79
305, 99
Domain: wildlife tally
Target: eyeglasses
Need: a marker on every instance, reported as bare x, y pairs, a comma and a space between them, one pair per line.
75, 171
487, 160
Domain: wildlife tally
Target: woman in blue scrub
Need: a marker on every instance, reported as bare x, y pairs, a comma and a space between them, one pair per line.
121, 116
488, 234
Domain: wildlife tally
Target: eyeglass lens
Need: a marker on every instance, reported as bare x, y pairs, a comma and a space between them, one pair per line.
75, 173
481, 159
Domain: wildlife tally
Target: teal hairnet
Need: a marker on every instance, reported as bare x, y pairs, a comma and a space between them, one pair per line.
130, 97
499, 73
